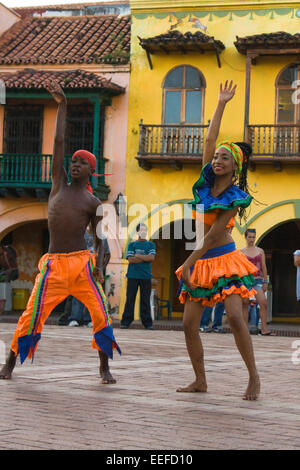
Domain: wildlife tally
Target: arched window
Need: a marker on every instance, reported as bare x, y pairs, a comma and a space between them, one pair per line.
183, 96
287, 111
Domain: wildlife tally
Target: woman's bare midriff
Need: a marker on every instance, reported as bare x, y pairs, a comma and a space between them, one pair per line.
224, 239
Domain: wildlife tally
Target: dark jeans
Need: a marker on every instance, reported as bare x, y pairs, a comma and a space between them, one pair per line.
145, 310
206, 315
79, 312
253, 315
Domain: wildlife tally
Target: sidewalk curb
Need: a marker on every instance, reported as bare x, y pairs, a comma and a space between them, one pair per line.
292, 331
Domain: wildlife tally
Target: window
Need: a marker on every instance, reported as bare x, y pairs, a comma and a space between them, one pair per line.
183, 93
286, 111
79, 128
23, 129
80, 132
286, 136
22, 141
183, 96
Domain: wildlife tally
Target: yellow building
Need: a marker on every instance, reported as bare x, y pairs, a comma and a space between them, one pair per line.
180, 52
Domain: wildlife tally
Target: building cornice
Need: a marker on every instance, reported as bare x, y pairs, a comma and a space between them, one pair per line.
167, 5
99, 68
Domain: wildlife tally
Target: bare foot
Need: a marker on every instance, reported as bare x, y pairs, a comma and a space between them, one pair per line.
6, 371
197, 386
253, 389
105, 374
106, 377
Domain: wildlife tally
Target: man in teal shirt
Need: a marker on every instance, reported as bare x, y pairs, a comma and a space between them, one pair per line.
140, 255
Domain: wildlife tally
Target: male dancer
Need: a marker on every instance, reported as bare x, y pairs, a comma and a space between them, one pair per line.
68, 268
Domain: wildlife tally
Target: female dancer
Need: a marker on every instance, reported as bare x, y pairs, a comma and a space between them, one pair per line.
216, 271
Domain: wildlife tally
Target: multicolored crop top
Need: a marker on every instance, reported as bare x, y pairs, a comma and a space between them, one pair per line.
210, 205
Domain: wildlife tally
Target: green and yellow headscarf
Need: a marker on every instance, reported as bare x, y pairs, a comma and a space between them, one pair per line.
235, 151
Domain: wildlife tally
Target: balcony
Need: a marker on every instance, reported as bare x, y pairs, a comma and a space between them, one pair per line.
30, 175
172, 144
274, 144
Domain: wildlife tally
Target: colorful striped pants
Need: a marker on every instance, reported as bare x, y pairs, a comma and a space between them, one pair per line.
62, 275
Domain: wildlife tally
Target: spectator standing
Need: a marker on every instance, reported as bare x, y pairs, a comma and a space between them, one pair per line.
8, 270
297, 264
217, 321
140, 255
257, 257
253, 316
8, 264
79, 313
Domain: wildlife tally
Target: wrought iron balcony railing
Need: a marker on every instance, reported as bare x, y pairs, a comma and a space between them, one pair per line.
31, 170
25, 172
161, 143
274, 142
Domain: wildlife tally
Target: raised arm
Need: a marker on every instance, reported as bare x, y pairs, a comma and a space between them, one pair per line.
226, 94
57, 167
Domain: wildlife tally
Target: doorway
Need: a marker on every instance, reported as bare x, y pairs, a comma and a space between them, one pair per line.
174, 243
279, 245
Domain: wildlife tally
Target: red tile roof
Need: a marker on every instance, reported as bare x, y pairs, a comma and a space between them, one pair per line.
67, 40
175, 40
275, 40
69, 79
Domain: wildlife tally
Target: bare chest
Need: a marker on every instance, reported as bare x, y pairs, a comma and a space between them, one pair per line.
67, 205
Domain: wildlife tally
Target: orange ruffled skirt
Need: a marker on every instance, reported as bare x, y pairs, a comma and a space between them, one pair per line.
222, 271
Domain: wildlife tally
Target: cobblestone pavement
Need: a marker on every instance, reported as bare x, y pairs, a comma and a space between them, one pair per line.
58, 401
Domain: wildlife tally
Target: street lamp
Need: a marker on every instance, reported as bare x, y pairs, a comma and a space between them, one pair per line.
120, 206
